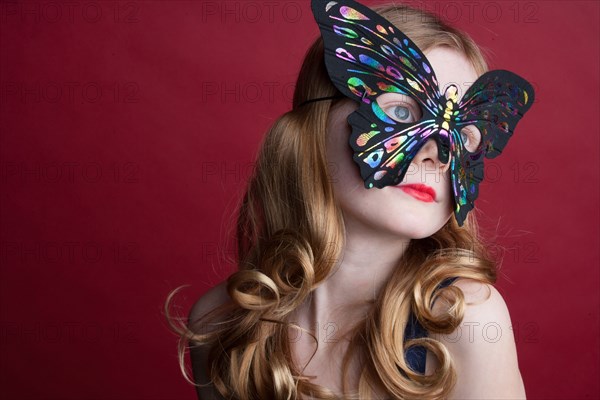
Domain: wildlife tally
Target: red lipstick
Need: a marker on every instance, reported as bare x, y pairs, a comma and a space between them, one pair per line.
419, 191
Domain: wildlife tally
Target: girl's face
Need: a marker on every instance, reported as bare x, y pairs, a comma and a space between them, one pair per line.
391, 209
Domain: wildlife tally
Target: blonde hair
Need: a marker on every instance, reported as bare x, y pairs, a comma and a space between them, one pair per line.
289, 228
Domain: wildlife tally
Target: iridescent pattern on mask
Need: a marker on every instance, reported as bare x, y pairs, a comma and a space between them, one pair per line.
367, 56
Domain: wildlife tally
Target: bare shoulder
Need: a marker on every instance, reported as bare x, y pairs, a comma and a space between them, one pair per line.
483, 346
213, 298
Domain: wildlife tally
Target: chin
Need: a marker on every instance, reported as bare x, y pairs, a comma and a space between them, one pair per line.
416, 227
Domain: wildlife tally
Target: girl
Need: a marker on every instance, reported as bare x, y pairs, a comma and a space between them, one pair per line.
335, 296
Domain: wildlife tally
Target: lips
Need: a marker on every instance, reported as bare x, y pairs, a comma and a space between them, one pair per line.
419, 191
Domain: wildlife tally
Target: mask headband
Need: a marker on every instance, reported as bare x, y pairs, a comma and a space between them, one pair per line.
337, 96
366, 56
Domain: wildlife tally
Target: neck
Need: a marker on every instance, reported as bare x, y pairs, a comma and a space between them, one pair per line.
366, 263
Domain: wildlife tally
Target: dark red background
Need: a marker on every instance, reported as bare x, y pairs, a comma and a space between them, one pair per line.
128, 130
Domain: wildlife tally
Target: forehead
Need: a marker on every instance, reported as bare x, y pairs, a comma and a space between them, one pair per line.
451, 67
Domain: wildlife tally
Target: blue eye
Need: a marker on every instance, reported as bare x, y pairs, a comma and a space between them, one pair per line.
400, 113
471, 138
399, 107
465, 138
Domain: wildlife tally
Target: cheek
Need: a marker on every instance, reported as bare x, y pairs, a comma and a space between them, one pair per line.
343, 170
340, 163
450, 193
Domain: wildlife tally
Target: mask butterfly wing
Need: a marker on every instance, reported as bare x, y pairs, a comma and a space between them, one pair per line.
366, 56
494, 104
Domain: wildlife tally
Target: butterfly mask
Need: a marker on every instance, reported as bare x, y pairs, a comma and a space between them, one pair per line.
367, 56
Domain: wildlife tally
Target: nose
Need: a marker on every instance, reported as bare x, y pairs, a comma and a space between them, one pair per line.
429, 157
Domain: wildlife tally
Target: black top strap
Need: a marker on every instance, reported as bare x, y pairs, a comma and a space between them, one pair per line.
337, 96
416, 356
